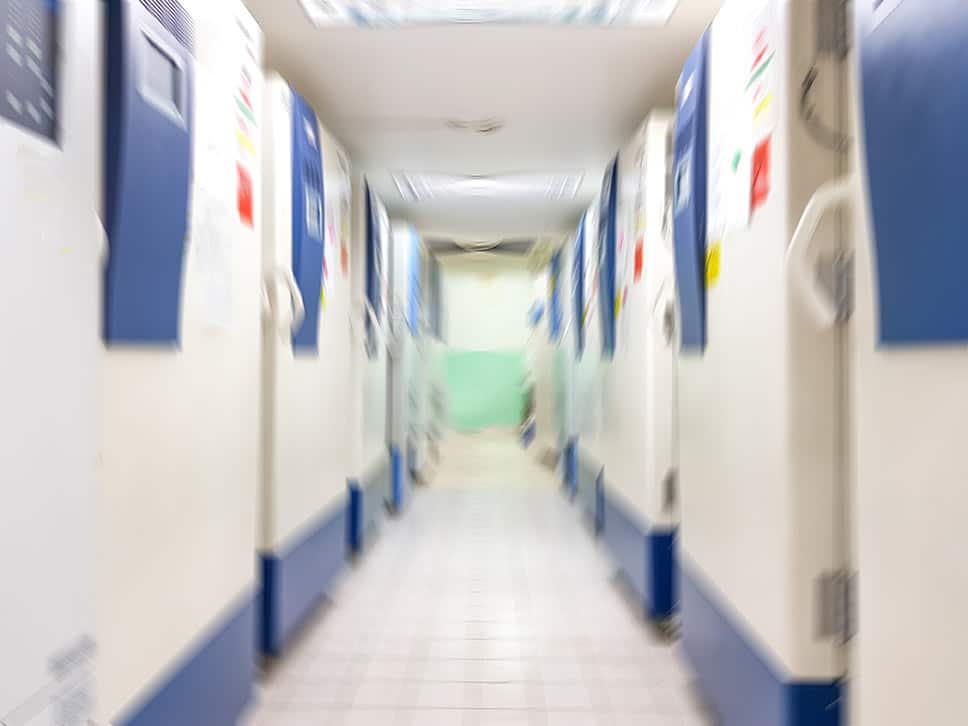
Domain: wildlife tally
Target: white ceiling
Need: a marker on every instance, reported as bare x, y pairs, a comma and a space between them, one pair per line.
569, 97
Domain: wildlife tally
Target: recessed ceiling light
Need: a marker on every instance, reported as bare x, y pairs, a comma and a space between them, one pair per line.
484, 126
415, 187
395, 13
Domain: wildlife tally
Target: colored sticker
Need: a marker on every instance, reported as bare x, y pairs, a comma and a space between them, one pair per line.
713, 258
245, 141
762, 107
761, 174
639, 258
344, 259
245, 197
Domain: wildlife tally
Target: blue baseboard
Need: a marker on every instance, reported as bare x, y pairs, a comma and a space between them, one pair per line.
412, 467
647, 556
367, 504
599, 511
588, 489
294, 582
354, 522
214, 684
528, 434
397, 483
570, 467
734, 676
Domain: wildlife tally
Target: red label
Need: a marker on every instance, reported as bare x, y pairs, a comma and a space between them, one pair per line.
344, 259
245, 197
761, 174
639, 258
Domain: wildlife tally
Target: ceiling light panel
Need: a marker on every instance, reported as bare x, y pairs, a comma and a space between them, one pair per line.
426, 187
398, 13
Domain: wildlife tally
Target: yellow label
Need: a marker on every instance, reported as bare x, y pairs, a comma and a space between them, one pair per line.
713, 256
245, 141
322, 299
763, 106
618, 305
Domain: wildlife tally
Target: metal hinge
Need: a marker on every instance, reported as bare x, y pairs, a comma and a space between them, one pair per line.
843, 274
670, 491
833, 28
837, 605
837, 277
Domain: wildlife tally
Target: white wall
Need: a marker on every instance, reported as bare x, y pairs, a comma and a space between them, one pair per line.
368, 375
541, 362
563, 357
639, 382
588, 370
375, 380
486, 302
179, 465
909, 505
50, 382
306, 439
758, 414
406, 379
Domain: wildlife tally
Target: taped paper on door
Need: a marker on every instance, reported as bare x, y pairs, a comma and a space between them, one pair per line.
212, 230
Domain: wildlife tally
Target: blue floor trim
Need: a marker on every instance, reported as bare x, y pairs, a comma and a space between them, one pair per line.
397, 484
214, 684
588, 486
354, 522
735, 678
570, 467
645, 555
599, 512
294, 582
368, 502
528, 434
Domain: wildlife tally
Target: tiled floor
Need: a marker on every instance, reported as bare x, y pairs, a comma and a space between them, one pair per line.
485, 603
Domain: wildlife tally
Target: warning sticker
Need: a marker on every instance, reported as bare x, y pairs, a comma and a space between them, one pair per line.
713, 258
761, 174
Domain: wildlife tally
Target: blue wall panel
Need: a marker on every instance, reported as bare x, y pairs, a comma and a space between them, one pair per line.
608, 258
148, 168
578, 293
735, 677
308, 219
689, 198
294, 583
913, 60
213, 686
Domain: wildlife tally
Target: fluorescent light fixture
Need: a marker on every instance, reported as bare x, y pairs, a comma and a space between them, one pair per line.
550, 186
398, 13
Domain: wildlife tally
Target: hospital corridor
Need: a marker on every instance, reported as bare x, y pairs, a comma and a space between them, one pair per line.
484, 606
470, 362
